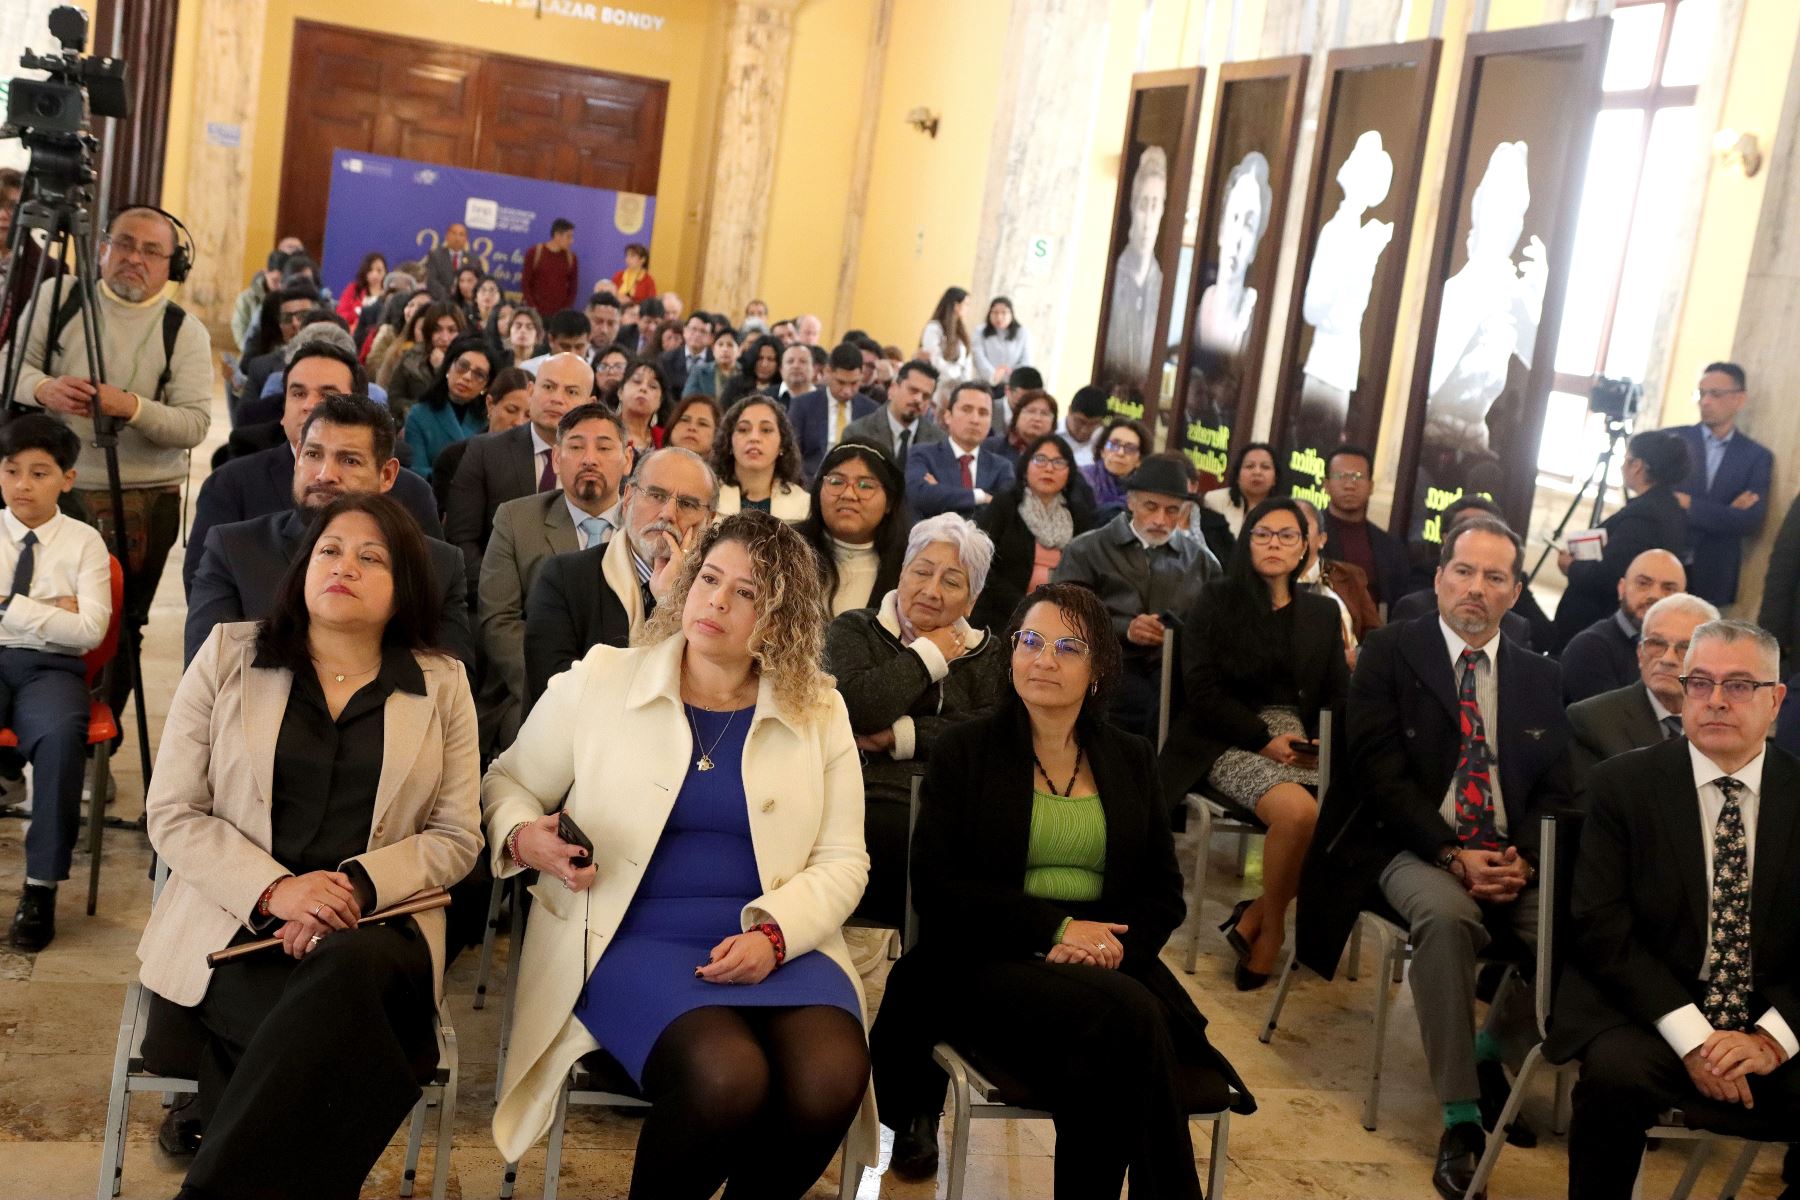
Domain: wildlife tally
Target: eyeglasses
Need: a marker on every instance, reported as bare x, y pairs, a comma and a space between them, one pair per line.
478, 374
294, 318
1049, 462
1033, 643
865, 487
1261, 536
1349, 476
1716, 393
1699, 688
1128, 448
125, 245
689, 505
1661, 646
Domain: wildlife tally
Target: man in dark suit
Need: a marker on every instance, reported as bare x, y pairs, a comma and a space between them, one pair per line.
1682, 985
1604, 655
1525, 623
798, 376
1457, 743
604, 594
498, 467
1727, 488
1349, 534
897, 426
821, 416
1647, 710
442, 264
960, 474
696, 340
263, 483
346, 446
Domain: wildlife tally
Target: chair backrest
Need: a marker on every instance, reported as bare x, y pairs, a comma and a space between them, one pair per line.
96, 659
1559, 845
1166, 688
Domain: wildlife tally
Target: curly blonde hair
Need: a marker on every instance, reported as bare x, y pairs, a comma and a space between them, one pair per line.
787, 643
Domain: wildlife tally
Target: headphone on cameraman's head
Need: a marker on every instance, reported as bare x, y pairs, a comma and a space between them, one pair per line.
181, 258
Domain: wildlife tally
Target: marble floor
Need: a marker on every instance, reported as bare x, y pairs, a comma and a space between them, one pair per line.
59, 1014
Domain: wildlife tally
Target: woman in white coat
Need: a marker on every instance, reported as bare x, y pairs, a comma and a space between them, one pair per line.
713, 768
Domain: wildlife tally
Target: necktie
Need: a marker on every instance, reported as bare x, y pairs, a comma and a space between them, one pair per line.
1671, 727
1727, 1004
456, 260
1475, 825
843, 419
27, 561
546, 477
593, 530
963, 460
905, 443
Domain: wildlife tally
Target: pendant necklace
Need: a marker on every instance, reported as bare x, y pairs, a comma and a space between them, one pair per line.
705, 761
1073, 775
340, 676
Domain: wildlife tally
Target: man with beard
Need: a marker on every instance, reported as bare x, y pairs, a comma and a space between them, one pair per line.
897, 427
346, 448
604, 594
590, 459
1604, 655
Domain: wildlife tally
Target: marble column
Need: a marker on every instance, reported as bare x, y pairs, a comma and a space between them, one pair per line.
759, 44
862, 167
228, 61
1049, 88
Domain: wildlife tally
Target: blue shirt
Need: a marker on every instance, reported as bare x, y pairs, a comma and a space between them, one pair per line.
1715, 451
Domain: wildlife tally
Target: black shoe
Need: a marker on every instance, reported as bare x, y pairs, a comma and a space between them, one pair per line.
1233, 938
916, 1149
34, 925
1246, 979
179, 1135
1459, 1153
1494, 1091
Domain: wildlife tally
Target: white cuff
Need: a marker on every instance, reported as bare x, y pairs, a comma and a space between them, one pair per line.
1776, 1026
935, 663
982, 497
1686, 1029
906, 741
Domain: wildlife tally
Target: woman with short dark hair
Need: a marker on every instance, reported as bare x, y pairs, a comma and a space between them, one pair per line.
454, 407
1047, 508
1254, 476
1002, 345
1124, 445
644, 401
858, 524
757, 460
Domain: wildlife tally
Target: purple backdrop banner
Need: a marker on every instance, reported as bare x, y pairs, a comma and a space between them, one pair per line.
401, 208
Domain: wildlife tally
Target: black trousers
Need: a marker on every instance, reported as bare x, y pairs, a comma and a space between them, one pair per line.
152, 525
886, 832
1093, 1046
310, 1066
1629, 1076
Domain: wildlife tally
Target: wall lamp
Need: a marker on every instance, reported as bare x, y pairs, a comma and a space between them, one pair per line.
923, 120
1740, 148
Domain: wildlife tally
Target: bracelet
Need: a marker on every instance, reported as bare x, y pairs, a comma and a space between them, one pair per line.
512, 844
772, 931
262, 902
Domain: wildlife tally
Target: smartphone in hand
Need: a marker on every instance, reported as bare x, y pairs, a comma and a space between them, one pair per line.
570, 832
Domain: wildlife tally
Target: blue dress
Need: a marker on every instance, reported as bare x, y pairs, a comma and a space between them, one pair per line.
691, 898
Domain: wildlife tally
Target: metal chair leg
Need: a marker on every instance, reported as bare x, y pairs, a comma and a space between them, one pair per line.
1220, 1159
1390, 963
1740, 1170
446, 1130
97, 821
486, 966
1196, 910
850, 1178
118, 1107
514, 949
1497, 1139
1696, 1163
1289, 968
415, 1139
509, 1179
959, 1131
553, 1153
1560, 1108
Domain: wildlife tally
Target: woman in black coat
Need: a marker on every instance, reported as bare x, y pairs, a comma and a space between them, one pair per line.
1260, 657
1653, 519
1030, 523
1045, 881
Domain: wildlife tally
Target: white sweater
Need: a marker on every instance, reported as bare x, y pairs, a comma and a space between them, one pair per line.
153, 447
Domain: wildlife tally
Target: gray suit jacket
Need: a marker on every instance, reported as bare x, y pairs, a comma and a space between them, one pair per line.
527, 531
874, 428
496, 467
1608, 725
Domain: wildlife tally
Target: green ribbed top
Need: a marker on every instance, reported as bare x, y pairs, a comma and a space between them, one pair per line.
1065, 858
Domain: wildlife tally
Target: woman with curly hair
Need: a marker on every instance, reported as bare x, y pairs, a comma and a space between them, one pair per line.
696, 948
757, 460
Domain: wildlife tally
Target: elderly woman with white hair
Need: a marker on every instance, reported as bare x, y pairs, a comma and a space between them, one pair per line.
908, 670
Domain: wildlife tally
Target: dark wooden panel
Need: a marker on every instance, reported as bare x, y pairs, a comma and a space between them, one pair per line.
131, 154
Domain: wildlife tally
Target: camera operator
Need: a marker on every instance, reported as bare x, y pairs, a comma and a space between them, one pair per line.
159, 389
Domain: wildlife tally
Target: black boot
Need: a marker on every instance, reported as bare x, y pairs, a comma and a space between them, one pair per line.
179, 1136
34, 925
916, 1149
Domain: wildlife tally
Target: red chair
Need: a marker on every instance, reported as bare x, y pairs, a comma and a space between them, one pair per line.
103, 727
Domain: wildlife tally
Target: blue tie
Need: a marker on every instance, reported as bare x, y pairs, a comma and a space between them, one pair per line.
594, 530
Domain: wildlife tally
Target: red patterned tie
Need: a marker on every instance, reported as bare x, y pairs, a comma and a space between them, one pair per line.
1475, 825
968, 479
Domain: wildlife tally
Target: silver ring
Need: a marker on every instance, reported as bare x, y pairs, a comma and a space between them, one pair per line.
314, 941
317, 907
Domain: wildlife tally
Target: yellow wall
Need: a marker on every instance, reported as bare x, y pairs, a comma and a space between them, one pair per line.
821, 117
924, 209
684, 52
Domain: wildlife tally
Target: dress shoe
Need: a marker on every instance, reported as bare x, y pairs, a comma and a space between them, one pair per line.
179, 1135
1246, 979
1459, 1153
916, 1149
1229, 928
34, 925
1494, 1091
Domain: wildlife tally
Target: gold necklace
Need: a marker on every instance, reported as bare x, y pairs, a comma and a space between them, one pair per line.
340, 677
705, 761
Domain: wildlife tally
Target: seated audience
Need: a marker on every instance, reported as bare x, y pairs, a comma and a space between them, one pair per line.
606, 593
1688, 862
1350, 536
279, 829
898, 425
857, 525
401, 330
1342, 583
908, 671
705, 379
346, 448
454, 408
508, 407
1084, 423
730, 776
1260, 658
58, 608
799, 373
590, 461
1121, 448
757, 461
1652, 519
690, 351
498, 467
758, 370
1252, 478
694, 424
524, 338
1647, 710
1145, 569
262, 483
962, 473
821, 416
1604, 655
1032, 417
1456, 746
1525, 623
257, 422
566, 332
1031, 523
437, 326
1045, 880
644, 403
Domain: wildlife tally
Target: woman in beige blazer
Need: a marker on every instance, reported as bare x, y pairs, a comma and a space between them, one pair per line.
314, 767
757, 460
713, 769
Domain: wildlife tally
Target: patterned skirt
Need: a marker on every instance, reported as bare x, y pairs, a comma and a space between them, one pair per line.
1246, 776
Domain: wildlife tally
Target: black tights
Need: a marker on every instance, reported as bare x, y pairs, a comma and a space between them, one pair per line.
759, 1096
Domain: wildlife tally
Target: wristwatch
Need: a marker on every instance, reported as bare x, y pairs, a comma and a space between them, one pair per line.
1446, 858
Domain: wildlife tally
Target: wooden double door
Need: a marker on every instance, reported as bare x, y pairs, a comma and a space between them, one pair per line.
406, 98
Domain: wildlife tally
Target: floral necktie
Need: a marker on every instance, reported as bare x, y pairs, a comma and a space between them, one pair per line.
1727, 1004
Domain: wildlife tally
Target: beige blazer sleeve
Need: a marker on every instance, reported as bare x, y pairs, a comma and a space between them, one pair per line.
534, 774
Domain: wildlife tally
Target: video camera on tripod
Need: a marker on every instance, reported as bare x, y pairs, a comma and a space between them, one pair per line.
50, 116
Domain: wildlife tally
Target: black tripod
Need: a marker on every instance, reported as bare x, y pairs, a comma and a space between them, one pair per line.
68, 228
1616, 430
